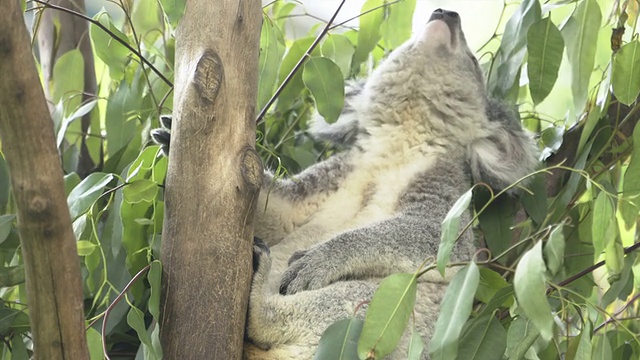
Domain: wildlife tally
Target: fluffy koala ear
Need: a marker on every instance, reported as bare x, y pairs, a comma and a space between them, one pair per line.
344, 131
505, 156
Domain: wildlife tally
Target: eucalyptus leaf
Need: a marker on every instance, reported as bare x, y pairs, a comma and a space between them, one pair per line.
387, 315
544, 46
324, 80
529, 284
581, 36
450, 228
454, 312
626, 72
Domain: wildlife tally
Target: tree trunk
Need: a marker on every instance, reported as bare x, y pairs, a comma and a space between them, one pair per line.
73, 32
52, 268
213, 181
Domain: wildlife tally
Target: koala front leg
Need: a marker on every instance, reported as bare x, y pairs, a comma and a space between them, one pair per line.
399, 244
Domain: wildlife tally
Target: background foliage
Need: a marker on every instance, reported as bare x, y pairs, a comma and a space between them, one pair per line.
562, 278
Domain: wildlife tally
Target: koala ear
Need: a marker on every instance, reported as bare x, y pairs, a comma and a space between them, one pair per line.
505, 156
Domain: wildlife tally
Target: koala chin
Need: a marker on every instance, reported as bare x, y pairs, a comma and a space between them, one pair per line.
415, 135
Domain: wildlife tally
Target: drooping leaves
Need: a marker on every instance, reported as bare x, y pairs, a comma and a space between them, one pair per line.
454, 312
388, 315
529, 284
581, 34
545, 46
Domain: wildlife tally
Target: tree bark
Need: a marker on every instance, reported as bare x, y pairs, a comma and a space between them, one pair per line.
52, 268
73, 32
213, 181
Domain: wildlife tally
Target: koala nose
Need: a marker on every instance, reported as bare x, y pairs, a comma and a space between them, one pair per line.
449, 17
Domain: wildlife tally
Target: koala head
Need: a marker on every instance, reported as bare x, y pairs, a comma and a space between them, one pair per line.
432, 84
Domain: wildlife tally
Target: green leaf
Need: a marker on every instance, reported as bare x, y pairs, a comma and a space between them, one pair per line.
173, 10
18, 349
454, 312
581, 37
484, 339
626, 72
94, 340
512, 47
554, 250
338, 48
416, 346
387, 315
85, 247
603, 228
71, 180
146, 20
496, 222
397, 27
140, 190
450, 227
340, 341
529, 284
601, 348
490, 283
324, 80
86, 193
630, 206
154, 277
592, 120
520, 337
6, 223
295, 85
580, 346
68, 84
614, 259
5, 183
123, 107
135, 319
80, 112
271, 51
544, 46
114, 54
535, 204
502, 298
369, 31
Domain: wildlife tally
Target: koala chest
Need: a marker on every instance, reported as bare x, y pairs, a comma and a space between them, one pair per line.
369, 194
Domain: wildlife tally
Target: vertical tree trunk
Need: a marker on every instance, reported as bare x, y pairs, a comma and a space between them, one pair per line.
213, 181
73, 32
51, 261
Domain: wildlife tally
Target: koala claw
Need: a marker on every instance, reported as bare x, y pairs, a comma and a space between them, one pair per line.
260, 251
307, 271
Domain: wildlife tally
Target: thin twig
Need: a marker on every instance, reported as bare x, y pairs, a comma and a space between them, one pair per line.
588, 270
115, 302
613, 317
113, 35
299, 64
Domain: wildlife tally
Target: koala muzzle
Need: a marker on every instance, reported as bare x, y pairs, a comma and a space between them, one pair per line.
451, 18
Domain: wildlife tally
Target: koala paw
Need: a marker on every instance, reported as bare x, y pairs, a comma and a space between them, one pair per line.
162, 136
260, 253
308, 270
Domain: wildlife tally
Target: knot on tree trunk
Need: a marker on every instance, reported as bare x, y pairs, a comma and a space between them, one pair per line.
209, 75
251, 169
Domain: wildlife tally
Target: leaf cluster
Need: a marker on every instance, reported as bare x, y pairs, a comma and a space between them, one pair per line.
559, 276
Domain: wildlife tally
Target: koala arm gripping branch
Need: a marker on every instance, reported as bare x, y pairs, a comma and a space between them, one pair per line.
286, 203
398, 244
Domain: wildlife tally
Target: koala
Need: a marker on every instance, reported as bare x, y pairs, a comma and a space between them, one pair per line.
414, 135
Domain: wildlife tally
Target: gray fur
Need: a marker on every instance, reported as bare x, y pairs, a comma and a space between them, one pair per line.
417, 132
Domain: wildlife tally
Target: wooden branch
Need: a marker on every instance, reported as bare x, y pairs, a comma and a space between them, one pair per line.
52, 269
212, 183
73, 34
